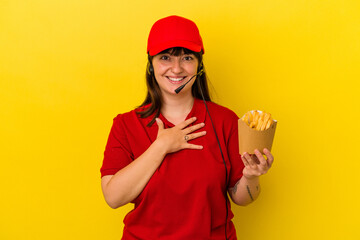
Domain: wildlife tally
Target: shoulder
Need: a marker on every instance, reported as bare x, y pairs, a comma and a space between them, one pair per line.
125, 116
130, 116
224, 118
221, 111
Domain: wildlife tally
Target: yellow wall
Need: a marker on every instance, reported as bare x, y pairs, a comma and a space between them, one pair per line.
68, 67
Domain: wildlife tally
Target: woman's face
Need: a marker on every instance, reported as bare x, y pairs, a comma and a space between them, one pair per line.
173, 71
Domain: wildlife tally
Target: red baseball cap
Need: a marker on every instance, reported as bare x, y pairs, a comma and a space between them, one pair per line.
174, 31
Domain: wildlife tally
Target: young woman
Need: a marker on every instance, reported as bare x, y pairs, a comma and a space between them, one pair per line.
168, 158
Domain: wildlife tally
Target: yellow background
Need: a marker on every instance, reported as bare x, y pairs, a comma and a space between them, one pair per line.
68, 67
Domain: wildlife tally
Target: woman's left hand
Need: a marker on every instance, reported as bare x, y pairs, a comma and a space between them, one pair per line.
256, 164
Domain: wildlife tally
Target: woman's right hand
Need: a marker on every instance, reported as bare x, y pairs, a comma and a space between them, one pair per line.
176, 138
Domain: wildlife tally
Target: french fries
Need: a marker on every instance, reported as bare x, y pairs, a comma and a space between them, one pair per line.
258, 120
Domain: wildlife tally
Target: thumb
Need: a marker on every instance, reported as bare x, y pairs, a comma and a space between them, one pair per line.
159, 123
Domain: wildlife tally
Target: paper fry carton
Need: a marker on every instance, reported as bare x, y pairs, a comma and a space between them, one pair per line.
251, 139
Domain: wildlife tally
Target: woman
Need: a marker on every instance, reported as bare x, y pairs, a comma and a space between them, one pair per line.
174, 171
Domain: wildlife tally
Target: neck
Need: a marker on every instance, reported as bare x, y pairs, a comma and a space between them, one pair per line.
176, 108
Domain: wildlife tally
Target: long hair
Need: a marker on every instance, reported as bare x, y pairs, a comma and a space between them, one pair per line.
153, 96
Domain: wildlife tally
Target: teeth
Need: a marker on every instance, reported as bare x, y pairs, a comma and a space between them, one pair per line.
176, 79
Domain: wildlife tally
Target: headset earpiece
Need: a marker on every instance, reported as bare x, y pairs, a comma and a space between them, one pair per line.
150, 68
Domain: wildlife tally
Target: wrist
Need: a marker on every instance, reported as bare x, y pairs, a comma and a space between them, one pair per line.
159, 148
252, 179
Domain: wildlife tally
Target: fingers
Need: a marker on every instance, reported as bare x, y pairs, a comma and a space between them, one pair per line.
254, 158
159, 123
256, 163
193, 146
176, 138
186, 122
250, 160
195, 135
244, 158
193, 128
260, 157
270, 157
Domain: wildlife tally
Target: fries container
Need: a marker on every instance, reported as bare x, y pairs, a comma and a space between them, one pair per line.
251, 139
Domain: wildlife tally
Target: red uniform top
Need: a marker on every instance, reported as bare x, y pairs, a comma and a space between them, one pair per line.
184, 199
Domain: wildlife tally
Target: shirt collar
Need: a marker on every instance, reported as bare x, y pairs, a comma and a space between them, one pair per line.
198, 110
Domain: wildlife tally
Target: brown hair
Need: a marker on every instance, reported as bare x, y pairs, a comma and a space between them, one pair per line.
153, 96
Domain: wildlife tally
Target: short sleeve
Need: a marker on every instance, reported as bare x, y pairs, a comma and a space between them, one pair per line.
237, 164
117, 153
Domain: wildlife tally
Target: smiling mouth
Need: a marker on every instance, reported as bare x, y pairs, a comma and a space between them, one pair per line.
176, 80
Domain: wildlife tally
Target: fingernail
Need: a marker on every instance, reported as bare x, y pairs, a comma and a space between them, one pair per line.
202, 124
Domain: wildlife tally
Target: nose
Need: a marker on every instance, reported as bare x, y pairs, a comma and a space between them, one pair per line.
176, 66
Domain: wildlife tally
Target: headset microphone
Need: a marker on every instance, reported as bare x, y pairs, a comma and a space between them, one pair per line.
182, 86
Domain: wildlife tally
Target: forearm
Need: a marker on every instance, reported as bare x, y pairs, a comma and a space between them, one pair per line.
127, 183
245, 191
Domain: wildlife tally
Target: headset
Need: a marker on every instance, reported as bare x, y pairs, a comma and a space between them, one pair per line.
222, 155
150, 69
200, 71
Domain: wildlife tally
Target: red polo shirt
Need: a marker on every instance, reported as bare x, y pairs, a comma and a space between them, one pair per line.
184, 199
